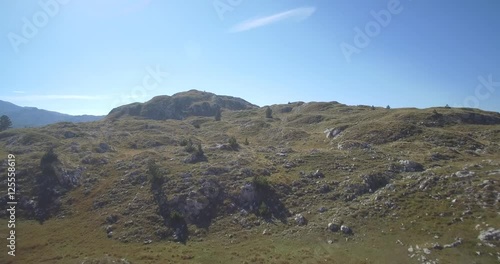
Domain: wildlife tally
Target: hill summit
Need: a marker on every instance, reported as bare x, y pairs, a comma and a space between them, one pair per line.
182, 105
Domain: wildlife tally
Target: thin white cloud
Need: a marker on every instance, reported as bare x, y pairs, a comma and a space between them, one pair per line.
297, 13
52, 97
19, 92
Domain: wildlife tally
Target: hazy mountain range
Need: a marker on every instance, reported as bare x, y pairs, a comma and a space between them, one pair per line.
34, 117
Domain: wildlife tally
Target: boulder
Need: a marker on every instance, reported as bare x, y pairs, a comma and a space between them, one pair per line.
489, 235
346, 230
410, 166
333, 227
300, 219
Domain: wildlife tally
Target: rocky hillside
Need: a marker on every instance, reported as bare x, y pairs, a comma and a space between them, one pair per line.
164, 182
182, 105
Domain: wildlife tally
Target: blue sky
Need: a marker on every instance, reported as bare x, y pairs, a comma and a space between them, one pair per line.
86, 57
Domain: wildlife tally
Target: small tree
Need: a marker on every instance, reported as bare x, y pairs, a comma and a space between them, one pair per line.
189, 146
46, 183
447, 106
388, 107
199, 151
373, 107
5, 123
155, 175
233, 143
269, 112
218, 114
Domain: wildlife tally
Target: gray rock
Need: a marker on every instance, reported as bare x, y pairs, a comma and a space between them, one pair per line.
322, 209
489, 235
410, 166
111, 219
334, 132
318, 174
464, 174
103, 148
324, 188
333, 227
300, 219
346, 230
456, 243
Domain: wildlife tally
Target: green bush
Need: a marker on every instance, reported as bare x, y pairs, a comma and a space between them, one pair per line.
176, 216
155, 174
261, 183
189, 146
263, 209
218, 114
233, 143
183, 142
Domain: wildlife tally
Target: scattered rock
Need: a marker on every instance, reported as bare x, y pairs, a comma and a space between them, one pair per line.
346, 230
437, 246
411, 166
318, 174
334, 132
456, 243
103, 148
111, 219
322, 209
300, 219
463, 174
324, 188
333, 227
490, 235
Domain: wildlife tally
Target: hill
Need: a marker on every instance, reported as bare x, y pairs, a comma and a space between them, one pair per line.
319, 182
182, 105
34, 117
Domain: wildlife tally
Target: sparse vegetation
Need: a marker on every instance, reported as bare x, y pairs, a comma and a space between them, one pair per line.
390, 171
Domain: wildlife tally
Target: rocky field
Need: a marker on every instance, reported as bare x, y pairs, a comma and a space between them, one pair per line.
200, 178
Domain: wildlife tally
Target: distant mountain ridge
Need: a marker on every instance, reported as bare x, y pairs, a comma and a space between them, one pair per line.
182, 105
34, 117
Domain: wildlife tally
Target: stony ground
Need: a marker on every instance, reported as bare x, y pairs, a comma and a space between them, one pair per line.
316, 183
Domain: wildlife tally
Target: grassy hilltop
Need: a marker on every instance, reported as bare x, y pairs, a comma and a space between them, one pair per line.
318, 182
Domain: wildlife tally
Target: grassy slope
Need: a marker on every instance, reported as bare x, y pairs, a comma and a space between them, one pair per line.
393, 135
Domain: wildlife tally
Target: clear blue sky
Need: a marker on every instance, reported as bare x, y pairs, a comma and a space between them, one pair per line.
86, 57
